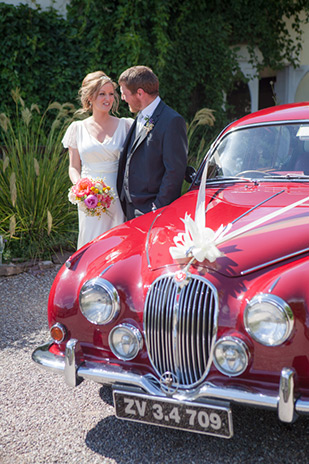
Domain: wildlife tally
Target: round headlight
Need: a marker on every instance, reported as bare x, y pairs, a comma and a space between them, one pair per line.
99, 301
268, 319
231, 356
125, 341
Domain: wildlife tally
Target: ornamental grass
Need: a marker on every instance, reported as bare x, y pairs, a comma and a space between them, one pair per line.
197, 144
36, 218
196, 139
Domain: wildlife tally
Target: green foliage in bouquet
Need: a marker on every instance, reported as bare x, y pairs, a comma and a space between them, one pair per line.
36, 217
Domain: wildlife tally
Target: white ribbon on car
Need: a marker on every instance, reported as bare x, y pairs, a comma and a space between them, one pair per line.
201, 242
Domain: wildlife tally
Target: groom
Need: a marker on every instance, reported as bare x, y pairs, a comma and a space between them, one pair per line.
153, 160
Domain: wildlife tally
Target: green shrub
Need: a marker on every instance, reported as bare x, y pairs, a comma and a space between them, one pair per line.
36, 217
40, 55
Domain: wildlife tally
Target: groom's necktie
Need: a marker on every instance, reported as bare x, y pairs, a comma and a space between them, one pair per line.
139, 123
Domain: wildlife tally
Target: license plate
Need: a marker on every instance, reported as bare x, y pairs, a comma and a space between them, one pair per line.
166, 412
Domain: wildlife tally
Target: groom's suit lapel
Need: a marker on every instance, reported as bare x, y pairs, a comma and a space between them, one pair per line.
141, 136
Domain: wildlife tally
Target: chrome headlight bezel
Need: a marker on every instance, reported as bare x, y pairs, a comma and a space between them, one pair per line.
109, 291
280, 309
132, 331
240, 346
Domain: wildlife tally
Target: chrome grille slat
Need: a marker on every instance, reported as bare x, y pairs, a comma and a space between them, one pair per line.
160, 302
210, 320
181, 341
153, 332
180, 322
205, 328
199, 339
194, 333
186, 366
189, 324
168, 335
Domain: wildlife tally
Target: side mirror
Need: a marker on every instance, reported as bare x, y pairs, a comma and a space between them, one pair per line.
190, 174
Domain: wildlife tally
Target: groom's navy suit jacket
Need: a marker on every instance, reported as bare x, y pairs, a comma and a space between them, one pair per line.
152, 163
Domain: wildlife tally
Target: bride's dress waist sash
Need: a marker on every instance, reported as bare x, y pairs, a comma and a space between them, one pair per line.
96, 169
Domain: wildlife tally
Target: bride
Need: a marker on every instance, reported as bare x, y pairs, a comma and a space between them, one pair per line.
94, 147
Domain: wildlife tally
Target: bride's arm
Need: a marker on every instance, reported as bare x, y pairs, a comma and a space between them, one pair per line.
75, 165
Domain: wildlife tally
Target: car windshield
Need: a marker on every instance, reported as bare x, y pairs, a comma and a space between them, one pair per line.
272, 151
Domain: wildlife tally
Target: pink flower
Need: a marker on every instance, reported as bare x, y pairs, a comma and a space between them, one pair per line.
91, 201
82, 187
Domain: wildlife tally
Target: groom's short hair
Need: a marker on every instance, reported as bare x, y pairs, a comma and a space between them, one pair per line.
140, 77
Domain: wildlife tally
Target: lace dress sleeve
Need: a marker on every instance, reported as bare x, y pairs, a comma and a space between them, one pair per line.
70, 139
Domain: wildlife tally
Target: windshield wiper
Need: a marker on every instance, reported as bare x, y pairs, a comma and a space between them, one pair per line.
287, 176
231, 178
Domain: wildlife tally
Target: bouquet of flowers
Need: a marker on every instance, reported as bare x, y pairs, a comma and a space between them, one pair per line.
92, 196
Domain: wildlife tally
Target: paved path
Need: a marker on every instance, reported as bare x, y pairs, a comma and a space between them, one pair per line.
42, 421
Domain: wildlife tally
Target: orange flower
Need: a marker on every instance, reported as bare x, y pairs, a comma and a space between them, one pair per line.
82, 187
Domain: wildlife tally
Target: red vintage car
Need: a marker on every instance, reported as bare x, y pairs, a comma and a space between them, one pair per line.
202, 304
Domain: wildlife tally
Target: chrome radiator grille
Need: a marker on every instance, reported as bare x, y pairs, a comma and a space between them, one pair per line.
180, 322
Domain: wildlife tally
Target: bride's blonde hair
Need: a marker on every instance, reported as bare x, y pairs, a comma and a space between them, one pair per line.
91, 86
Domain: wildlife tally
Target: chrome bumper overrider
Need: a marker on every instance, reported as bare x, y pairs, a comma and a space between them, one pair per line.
287, 406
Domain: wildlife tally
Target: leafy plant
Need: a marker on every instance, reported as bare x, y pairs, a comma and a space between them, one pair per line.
40, 55
35, 215
192, 47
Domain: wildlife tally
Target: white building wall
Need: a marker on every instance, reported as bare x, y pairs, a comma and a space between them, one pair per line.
292, 85
59, 5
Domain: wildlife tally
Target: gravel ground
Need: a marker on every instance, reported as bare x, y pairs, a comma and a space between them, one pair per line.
43, 421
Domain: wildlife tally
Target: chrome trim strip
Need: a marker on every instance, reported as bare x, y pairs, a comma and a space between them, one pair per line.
148, 238
271, 289
226, 131
105, 270
110, 375
257, 206
72, 259
274, 261
277, 122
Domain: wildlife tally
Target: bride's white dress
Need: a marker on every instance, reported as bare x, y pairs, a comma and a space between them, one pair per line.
98, 160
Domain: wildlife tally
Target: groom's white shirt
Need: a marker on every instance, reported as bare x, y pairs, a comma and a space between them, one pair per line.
145, 114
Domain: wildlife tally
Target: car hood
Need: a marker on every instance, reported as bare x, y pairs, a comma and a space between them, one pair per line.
281, 237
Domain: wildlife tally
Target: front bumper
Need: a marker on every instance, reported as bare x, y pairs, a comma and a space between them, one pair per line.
284, 402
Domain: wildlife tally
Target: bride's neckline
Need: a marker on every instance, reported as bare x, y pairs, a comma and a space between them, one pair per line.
107, 138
